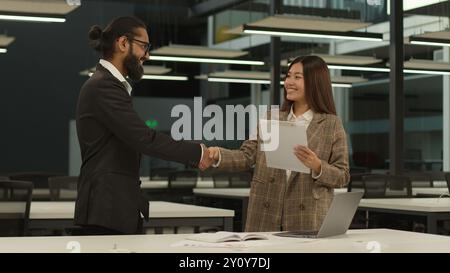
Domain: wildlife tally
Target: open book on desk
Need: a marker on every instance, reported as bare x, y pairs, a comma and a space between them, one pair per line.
224, 236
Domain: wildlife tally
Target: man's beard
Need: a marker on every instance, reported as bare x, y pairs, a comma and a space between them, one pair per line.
133, 66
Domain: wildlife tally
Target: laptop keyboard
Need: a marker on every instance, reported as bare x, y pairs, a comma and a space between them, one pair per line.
298, 234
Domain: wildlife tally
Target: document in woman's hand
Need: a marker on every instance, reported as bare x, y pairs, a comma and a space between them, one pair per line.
279, 141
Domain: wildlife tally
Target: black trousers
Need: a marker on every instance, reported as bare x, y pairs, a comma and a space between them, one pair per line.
99, 230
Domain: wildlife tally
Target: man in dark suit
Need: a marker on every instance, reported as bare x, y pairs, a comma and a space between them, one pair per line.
112, 136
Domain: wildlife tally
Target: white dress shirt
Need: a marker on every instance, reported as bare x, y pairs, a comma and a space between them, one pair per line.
115, 72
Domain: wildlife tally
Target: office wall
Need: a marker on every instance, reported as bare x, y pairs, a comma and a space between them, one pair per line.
40, 85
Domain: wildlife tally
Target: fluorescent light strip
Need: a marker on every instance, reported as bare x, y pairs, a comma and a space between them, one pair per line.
341, 85
3, 50
276, 33
204, 60
32, 18
377, 69
313, 34
432, 72
429, 43
358, 68
165, 77
235, 80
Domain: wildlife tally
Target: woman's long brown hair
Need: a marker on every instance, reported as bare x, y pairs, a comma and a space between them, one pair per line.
317, 80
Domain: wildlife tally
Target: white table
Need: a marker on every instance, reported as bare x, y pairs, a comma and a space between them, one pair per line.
355, 241
238, 194
415, 191
434, 209
162, 214
147, 184
155, 186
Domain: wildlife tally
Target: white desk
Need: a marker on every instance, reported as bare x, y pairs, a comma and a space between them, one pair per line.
241, 195
147, 184
42, 194
355, 241
415, 191
245, 192
162, 214
434, 209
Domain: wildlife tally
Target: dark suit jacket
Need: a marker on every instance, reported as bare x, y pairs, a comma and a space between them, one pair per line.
112, 138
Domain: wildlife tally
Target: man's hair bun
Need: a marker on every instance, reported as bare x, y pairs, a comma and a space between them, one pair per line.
95, 37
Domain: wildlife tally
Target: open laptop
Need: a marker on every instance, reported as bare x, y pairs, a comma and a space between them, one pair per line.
338, 219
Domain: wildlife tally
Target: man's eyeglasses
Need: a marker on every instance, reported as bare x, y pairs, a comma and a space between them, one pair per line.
144, 45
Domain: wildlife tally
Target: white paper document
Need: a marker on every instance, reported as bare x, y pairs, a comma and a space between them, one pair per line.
225, 236
278, 141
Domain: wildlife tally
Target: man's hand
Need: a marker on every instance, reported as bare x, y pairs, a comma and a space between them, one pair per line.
205, 161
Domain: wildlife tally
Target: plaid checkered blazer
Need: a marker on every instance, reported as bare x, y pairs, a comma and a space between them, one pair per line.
300, 202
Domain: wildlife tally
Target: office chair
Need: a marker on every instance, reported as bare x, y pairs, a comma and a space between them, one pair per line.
420, 179
181, 184
447, 179
401, 184
160, 173
241, 180
15, 202
63, 188
374, 185
221, 179
39, 179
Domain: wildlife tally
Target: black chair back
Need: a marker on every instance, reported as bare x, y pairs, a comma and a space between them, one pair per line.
420, 179
401, 185
15, 202
221, 179
375, 185
181, 185
447, 178
241, 180
63, 188
39, 179
160, 173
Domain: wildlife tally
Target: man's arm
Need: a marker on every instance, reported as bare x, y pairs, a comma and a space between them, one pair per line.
115, 111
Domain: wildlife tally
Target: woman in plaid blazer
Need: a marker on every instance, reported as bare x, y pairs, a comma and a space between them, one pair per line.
284, 200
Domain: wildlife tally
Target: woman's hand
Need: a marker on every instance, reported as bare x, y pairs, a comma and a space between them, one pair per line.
214, 153
308, 158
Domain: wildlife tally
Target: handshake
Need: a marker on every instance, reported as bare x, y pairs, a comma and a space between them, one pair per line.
210, 156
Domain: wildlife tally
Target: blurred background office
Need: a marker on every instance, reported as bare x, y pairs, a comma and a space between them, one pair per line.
390, 67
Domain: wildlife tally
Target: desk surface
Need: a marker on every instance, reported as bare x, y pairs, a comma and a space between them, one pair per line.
227, 192
411, 204
148, 184
65, 210
245, 192
354, 241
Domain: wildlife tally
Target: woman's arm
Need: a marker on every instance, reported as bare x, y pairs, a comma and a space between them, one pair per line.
235, 160
335, 172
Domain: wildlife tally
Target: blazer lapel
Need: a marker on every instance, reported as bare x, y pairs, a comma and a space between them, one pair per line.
313, 130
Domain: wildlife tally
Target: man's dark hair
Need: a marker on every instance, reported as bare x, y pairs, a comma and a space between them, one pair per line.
103, 40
